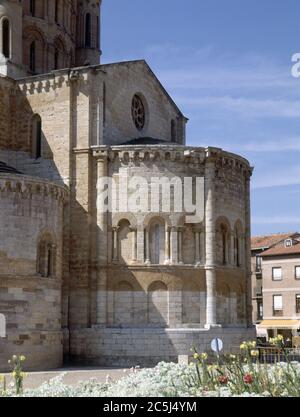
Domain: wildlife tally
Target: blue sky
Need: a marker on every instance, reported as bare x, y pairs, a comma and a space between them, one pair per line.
227, 64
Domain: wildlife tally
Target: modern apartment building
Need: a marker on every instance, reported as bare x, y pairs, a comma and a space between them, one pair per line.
276, 284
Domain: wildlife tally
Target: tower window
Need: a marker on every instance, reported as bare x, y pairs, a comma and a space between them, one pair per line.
56, 10
32, 57
32, 7
5, 38
88, 30
98, 33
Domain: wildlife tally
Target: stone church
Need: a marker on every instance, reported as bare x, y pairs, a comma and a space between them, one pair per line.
110, 287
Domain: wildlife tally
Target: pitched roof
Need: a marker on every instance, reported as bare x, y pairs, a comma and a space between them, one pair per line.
261, 242
282, 250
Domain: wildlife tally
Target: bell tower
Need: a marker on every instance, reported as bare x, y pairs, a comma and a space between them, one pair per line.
11, 24
88, 50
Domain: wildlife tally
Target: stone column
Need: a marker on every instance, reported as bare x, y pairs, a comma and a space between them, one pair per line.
167, 246
102, 246
134, 245
174, 245
247, 251
147, 247
115, 244
140, 249
210, 232
197, 248
232, 252
180, 235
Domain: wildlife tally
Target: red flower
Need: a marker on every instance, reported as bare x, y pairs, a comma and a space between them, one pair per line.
223, 380
248, 379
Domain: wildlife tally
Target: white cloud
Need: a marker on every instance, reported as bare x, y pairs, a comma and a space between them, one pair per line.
276, 220
277, 178
278, 144
246, 107
218, 77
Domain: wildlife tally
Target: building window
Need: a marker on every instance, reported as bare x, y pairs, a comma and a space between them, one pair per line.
37, 137
288, 243
258, 263
277, 305
298, 303
259, 310
138, 112
32, 57
88, 37
32, 7
297, 272
277, 274
6, 38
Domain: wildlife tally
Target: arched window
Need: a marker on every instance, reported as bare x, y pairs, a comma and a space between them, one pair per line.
36, 137
123, 304
157, 242
158, 304
223, 241
56, 59
6, 38
32, 57
32, 7
46, 257
88, 37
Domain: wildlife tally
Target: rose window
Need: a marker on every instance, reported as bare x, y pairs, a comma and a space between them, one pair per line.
138, 112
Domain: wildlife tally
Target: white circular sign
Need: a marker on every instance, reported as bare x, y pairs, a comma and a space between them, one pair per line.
217, 345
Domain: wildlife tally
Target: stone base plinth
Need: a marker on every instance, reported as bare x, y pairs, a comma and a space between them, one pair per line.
148, 346
43, 350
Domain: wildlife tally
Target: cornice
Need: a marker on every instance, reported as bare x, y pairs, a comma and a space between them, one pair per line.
29, 186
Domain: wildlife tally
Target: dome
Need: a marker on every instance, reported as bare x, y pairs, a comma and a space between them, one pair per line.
6, 169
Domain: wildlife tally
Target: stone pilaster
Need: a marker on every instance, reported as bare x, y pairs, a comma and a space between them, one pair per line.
210, 232
102, 244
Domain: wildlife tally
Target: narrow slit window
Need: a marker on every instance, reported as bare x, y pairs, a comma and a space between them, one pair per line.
32, 57
88, 30
6, 38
